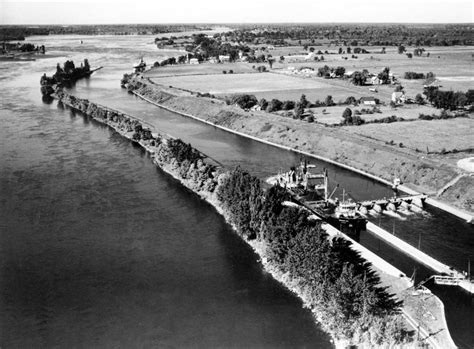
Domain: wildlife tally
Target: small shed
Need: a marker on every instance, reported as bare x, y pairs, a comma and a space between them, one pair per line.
367, 101
224, 58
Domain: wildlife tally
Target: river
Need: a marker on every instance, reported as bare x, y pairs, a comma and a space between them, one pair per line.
100, 248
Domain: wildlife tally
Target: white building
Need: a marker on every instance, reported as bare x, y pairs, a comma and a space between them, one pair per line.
224, 58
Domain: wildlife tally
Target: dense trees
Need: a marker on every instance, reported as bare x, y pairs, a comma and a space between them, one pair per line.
448, 100
353, 34
328, 72
359, 78
413, 75
274, 105
350, 119
67, 74
244, 101
208, 47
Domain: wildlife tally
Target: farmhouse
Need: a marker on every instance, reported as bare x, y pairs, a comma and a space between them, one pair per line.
398, 97
349, 73
193, 61
367, 101
374, 80
310, 57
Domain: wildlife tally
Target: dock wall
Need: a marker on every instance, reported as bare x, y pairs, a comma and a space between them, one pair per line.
453, 210
419, 255
368, 255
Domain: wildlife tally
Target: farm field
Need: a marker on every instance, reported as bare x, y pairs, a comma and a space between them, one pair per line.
454, 69
435, 134
225, 84
333, 115
199, 69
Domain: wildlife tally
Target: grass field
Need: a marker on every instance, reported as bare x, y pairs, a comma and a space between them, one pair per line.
225, 84
333, 115
199, 69
435, 134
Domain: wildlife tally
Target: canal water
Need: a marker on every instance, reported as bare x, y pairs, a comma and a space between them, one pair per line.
98, 247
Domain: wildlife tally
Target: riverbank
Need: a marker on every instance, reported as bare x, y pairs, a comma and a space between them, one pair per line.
203, 179
367, 157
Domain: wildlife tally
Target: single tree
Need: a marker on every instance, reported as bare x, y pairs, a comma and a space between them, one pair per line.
419, 99
347, 116
329, 102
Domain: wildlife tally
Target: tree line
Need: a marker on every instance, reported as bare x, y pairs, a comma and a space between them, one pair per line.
449, 100
353, 34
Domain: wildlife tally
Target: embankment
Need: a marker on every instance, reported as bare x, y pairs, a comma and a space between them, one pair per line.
335, 297
368, 157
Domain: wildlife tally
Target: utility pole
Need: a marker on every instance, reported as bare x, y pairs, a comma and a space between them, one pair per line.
469, 269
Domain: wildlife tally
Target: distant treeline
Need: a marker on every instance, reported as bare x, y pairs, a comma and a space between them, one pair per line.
18, 32
411, 75
353, 34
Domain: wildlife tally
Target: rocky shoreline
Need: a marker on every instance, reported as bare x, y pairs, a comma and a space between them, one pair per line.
203, 179
420, 174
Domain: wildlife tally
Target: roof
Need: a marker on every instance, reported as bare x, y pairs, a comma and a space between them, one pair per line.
367, 99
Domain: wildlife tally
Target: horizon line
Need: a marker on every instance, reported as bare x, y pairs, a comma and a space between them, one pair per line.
222, 23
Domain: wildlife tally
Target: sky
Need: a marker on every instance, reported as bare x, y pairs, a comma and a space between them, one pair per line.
235, 11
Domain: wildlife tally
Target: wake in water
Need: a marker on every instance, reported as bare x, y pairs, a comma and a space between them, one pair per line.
394, 215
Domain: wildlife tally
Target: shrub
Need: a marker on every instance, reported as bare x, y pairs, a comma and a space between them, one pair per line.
244, 101
274, 105
412, 75
288, 105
